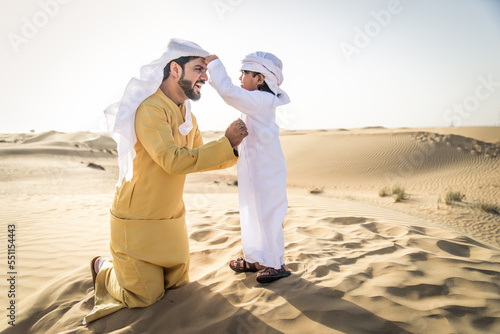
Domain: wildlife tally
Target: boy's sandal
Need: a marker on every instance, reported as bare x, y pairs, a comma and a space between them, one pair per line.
271, 274
243, 266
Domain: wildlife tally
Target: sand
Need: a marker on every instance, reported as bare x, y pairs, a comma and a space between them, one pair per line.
360, 263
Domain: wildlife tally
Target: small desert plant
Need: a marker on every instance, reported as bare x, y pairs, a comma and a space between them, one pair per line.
96, 166
316, 191
384, 192
453, 196
489, 207
399, 193
399, 196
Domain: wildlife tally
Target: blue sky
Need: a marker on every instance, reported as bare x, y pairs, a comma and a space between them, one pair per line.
346, 63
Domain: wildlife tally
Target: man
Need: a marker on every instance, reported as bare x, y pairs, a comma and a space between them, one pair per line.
158, 144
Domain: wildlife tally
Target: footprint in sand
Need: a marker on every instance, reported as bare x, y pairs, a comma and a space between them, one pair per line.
220, 240
485, 272
419, 256
420, 291
201, 235
322, 271
372, 227
209, 236
352, 245
321, 233
453, 248
346, 220
232, 213
383, 251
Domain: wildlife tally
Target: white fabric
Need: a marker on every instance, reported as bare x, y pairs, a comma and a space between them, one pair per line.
261, 170
269, 66
185, 127
120, 116
101, 261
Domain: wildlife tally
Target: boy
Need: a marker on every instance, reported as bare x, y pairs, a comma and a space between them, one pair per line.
261, 166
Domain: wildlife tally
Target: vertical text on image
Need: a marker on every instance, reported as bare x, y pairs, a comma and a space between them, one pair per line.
11, 274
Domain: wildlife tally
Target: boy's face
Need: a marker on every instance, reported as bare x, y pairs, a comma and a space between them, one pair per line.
249, 82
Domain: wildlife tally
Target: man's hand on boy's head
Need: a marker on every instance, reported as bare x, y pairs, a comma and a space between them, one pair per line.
210, 58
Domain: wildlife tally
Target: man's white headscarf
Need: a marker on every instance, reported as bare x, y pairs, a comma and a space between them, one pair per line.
120, 116
270, 67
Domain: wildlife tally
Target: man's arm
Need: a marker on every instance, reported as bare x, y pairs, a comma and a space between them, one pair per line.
198, 141
155, 134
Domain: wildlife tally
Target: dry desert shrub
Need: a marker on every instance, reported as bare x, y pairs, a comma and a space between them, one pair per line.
453, 196
488, 207
384, 192
397, 191
316, 191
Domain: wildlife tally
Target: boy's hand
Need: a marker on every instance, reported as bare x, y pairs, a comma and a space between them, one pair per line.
210, 58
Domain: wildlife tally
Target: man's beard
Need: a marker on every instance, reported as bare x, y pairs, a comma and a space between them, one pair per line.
187, 87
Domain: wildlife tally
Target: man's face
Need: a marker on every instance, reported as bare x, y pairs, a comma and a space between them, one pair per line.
193, 77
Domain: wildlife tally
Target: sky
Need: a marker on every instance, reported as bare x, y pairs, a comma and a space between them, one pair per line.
347, 64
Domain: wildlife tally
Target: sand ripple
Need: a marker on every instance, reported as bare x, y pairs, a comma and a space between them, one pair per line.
357, 266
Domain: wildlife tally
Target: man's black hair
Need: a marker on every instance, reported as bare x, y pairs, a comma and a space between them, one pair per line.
263, 86
180, 61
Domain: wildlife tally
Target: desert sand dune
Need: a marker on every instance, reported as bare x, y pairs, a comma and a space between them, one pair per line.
360, 263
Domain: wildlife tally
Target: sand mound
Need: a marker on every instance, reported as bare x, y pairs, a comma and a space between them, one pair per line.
489, 134
57, 143
376, 272
360, 263
422, 161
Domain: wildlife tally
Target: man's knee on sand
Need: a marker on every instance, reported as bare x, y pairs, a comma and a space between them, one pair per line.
146, 298
152, 292
176, 276
141, 284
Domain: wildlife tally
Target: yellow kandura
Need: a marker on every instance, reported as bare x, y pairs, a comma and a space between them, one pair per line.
149, 240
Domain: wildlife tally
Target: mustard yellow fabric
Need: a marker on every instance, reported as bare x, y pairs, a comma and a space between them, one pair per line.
149, 241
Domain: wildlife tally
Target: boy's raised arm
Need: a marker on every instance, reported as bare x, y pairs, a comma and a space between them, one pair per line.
248, 102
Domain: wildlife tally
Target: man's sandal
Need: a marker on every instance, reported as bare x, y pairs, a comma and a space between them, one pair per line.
243, 266
92, 269
271, 274
100, 261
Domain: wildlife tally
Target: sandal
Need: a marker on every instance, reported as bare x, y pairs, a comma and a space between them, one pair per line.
92, 269
243, 266
271, 274
102, 259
